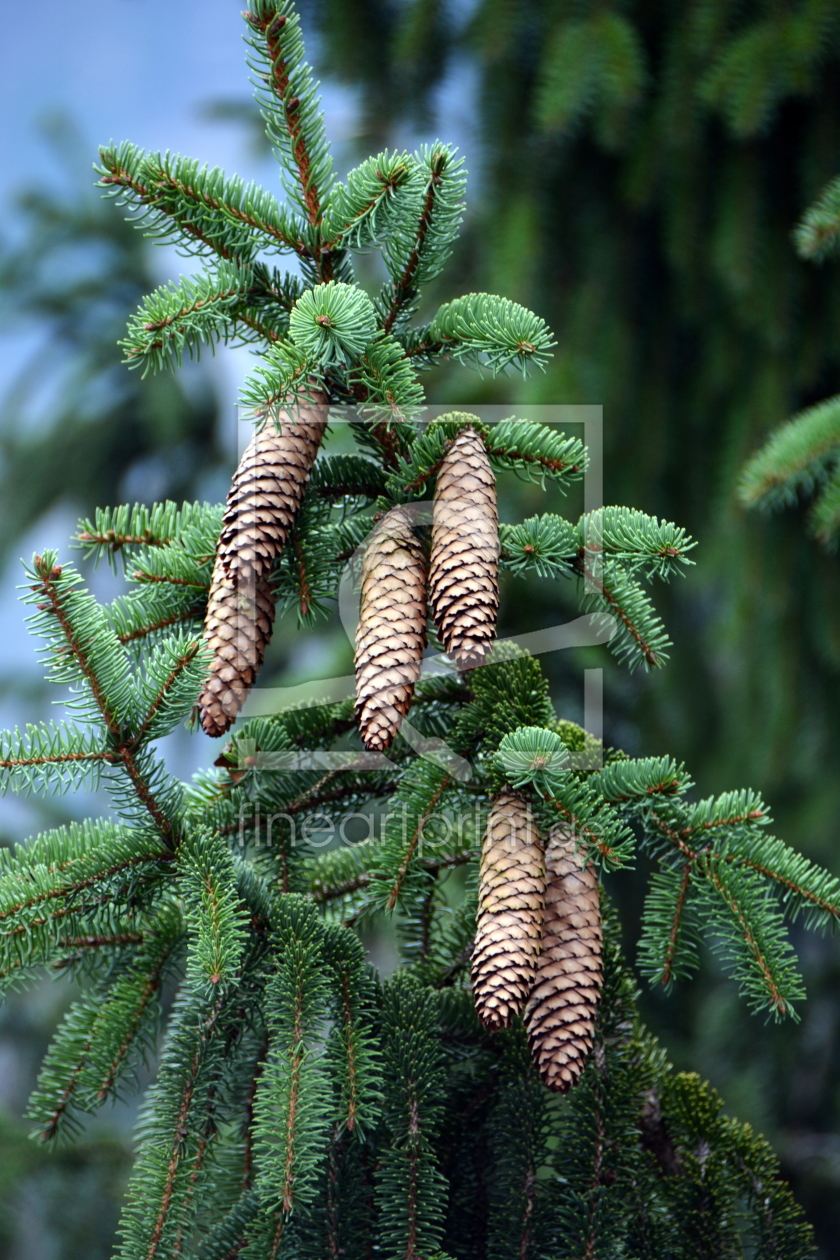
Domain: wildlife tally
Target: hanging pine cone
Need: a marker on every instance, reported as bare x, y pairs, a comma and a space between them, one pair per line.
560, 1015
264, 498
464, 568
510, 912
392, 628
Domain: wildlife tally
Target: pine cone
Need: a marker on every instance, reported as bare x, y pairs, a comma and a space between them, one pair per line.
510, 912
560, 1015
464, 568
264, 498
392, 628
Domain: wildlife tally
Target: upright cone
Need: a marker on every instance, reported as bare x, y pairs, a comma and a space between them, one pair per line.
510, 911
560, 1015
464, 567
264, 498
392, 628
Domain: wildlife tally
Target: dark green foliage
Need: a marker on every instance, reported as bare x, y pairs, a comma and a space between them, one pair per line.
302, 1107
291, 1107
289, 1075
410, 1190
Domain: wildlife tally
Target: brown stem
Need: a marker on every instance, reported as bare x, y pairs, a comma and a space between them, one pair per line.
610, 599
235, 212
404, 286
147, 993
271, 30
178, 668
120, 176
396, 888
749, 939
667, 965
143, 631
9, 763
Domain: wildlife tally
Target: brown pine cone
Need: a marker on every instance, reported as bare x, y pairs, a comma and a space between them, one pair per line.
392, 628
464, 567
510, 912
264, 498
560, 1015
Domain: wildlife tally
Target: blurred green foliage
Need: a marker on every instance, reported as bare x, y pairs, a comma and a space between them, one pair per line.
75, 423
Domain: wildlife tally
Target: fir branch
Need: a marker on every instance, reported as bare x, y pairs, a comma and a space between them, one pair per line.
52, 754
594, 823
89, 655
635, 540
818, 235
352, 1055
77, 1078
176, 199
418, 249
484, 330
291, 1106
408, 829
795, 460
285, 374
216, 922
669, 944
181, 317
142, 998
388, 389
352, 477
606, 589
421, 461
290, 106
536, 451
137, 528
167, 692
547, 544
410, 1190
676, 926
751, 937
26, 893
824, 521
161, 1196
163, 623
359, 212
640, 781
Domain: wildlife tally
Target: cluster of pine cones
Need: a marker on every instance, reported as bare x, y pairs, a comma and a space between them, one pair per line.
463, 586
462, 578
538, 942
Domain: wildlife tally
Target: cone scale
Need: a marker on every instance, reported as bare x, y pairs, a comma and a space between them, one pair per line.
264, 499
510, 911
560, 1015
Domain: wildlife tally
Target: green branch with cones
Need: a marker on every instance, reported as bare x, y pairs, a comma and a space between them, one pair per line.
303, 1106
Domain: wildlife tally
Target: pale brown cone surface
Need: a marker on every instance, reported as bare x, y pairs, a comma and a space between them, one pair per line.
264, 498
392, 628
464, 567
560, 1015
510, 912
